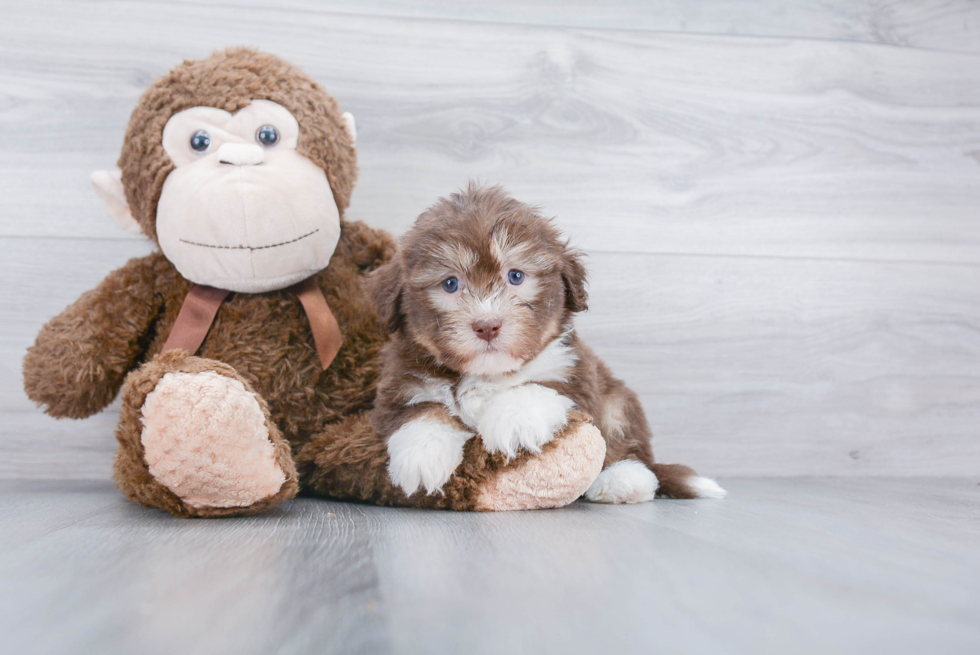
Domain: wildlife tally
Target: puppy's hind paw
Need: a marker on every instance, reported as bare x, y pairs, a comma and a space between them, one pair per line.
523, 417
626, 481
424, 452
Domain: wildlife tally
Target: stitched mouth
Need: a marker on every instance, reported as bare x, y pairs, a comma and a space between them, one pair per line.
271, 245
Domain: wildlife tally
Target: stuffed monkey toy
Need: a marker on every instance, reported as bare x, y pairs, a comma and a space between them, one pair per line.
246, 347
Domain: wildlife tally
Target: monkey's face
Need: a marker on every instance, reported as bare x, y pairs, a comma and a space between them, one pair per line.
243, 210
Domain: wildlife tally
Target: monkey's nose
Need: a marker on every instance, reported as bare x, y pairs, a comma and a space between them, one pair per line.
241, 154
487, 329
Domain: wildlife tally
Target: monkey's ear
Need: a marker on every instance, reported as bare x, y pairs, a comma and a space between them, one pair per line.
109, 186
574, 275
349, 122
385, 288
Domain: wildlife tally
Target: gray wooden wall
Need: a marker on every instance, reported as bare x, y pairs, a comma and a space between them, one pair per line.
780, 199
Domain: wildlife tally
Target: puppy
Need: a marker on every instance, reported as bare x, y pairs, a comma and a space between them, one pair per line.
480, 300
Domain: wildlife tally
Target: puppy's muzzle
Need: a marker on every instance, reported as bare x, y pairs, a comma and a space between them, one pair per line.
487, 329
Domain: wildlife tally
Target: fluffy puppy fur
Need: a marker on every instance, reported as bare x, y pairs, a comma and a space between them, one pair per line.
480, 300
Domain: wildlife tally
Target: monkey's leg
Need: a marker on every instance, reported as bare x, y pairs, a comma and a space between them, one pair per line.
349, 461
195, 440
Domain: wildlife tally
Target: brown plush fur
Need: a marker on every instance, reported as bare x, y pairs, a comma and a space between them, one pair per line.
476, 237
82, 356
116, 332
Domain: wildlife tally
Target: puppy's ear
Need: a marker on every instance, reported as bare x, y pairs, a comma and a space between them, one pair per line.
574, 275
385, 288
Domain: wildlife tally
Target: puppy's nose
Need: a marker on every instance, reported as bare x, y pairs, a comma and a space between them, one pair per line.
241, 154
487, 328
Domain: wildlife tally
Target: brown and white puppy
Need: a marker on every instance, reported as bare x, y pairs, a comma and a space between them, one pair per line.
480, 300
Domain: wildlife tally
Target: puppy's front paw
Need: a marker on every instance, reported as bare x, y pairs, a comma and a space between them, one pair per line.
522, 417
424, 452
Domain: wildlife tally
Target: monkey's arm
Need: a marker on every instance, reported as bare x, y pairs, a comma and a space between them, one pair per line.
79, 360
366, 246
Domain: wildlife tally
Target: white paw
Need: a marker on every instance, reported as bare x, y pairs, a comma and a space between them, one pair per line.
522, 417
424, 452
706, 487
626, 481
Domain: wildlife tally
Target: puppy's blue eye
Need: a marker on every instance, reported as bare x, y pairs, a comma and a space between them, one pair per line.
267, 135
200, 141
515, 277
450, 285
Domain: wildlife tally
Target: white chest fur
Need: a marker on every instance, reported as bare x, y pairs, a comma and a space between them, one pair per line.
470, 395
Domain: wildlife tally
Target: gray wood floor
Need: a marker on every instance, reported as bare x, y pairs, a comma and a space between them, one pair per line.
781, 566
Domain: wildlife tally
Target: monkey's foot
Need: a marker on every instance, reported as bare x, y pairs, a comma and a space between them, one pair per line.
563, 471
206, 439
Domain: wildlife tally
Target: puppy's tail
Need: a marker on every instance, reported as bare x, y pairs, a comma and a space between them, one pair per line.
679, 481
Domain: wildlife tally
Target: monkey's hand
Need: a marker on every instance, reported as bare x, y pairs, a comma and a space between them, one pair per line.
80, 358
366, 246
522, 417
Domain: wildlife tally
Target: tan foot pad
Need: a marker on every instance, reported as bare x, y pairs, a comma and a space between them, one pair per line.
206, 439
554, 479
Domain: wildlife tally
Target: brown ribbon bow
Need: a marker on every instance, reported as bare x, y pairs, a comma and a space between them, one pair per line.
202, 302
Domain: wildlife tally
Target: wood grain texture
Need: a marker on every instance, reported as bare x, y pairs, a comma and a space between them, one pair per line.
638, 141
780, 566
783, 231
937, 24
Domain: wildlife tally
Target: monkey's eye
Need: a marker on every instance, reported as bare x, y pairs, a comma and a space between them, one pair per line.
450, 285
515, 276
200, 141
267, 136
